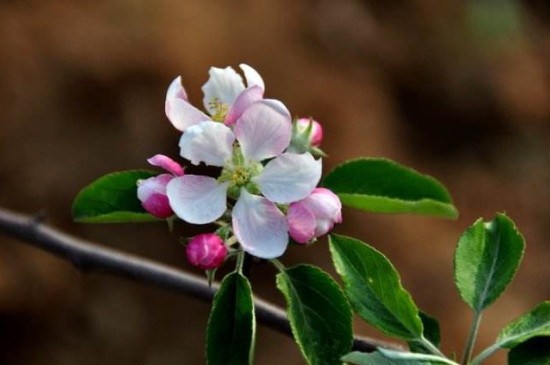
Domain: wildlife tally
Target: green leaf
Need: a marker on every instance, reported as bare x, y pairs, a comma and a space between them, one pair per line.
374, 288
390, 357
486, 260
383, 186
531, 324
535, 351
112, 199
232, 324
431, 333
319, 314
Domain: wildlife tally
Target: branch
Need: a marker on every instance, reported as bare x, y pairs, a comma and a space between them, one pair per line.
88, 256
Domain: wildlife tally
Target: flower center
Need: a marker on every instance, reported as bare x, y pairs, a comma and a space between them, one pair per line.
240, 176
220, 110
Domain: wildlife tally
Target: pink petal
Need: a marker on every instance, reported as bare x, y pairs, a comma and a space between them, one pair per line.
316, 136
208, 142
243, 101
252, 77
176, 90
223, 85
166, 163
301, 223
263, 132
183, 115
197, 199
289, 177
260, 227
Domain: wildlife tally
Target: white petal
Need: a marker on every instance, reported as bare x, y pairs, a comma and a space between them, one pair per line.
252, 76
183, 115
176, 90
263, 131
243, 101
224, 85
289, 177
208, 142
260, 227
197, 199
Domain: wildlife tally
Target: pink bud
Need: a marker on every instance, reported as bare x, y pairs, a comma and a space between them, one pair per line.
316, 136
152, 194
206, 251
314, 216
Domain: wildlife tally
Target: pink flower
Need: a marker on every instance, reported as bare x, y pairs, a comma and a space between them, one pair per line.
314, 216
225, 97
152, 191
206, 251
315, 136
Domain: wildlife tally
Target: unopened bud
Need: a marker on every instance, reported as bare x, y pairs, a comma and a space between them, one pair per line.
152, 194
206, 251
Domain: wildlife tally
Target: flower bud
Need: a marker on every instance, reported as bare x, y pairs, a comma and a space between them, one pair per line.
206, 251
152, 194
314, 216
315, 136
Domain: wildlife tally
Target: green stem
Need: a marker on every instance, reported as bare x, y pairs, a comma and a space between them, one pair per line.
240, 261
431, 347
278, 264
485, 354
469, 347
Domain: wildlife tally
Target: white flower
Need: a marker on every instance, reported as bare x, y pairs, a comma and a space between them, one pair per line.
225, 97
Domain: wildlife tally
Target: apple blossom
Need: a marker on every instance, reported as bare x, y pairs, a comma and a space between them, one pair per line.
314, 216
225, 97
206, 251
152, 191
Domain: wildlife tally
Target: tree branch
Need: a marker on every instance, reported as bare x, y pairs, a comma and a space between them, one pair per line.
88, 256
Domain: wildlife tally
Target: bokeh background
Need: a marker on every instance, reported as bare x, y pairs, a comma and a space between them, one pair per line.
456, 89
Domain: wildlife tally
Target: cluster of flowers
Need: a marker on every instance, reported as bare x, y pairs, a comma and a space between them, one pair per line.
266, 190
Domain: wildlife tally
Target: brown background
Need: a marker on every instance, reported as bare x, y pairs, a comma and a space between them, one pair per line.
459, 90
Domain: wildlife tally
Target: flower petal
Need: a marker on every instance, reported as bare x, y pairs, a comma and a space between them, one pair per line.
224, 85
197, 199
289, 177
208, 142
252, 76
259, 226
301, 223
243, 101
263, 131
183, 115
166, 163
176, 90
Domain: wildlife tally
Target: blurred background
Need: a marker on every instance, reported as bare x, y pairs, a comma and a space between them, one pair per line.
456, 89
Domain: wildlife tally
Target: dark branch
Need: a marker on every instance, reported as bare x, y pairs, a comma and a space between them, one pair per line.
89, 256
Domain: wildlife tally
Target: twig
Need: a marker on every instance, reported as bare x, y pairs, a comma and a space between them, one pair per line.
89, 256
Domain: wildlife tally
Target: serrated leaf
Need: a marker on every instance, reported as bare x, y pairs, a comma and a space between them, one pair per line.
431, 332
390, 357
319, 314
232, 324
486, 260
374, 288
383, 186
534, 323
112, 199
535, 351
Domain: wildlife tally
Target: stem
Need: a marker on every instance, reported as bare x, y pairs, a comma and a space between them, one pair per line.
88, 257
240, 261
431, 347
278, 264
485, 354
469, 348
